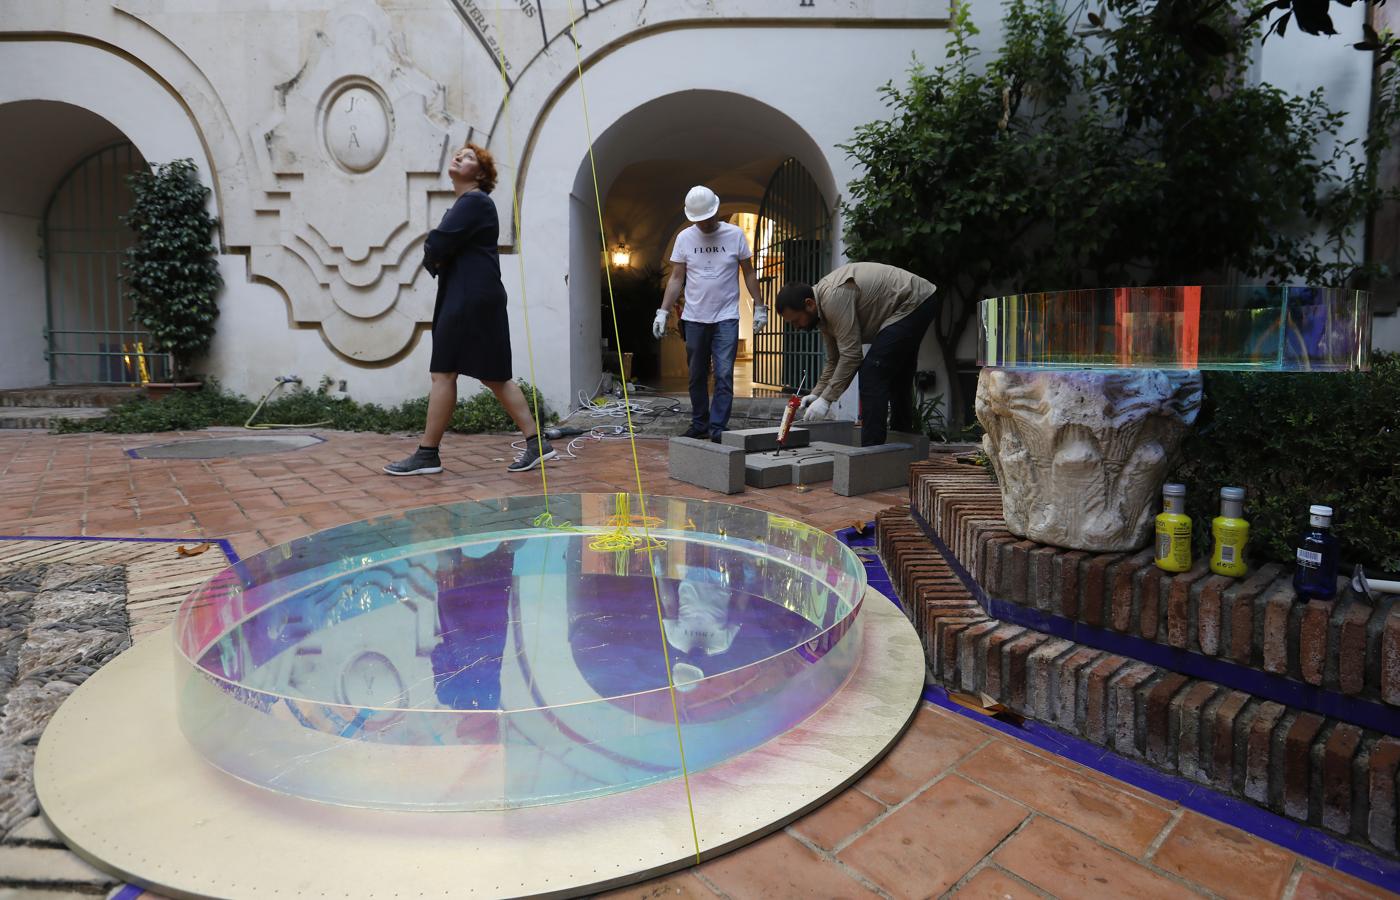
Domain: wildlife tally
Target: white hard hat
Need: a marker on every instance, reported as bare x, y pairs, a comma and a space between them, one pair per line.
700, 203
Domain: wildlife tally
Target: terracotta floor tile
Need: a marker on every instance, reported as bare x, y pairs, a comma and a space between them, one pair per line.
923, 848
1056, 758
838, 819
1316, 884
993, 884
1064, 862
681, 886
1093, 804
1224, 859
932, 744
780, 867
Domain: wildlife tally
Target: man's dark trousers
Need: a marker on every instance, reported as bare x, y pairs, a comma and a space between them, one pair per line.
887, 375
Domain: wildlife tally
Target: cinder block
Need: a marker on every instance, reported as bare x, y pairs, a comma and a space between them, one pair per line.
860, 470
812, 469
762, 470
843, 432
918, 441
757, 440
716, 467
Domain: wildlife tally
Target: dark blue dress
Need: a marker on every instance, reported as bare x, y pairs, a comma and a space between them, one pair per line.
471, 332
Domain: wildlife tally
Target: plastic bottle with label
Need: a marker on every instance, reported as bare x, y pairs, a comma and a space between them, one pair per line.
1173, 552
1231, 534
1317, 557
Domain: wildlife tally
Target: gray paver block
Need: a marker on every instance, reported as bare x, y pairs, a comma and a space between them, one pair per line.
763, 470
842, 431
918, 441
813, 469
860, 470
717, 467
758, 440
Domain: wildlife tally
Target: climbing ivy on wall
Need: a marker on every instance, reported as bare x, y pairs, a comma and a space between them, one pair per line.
171, 273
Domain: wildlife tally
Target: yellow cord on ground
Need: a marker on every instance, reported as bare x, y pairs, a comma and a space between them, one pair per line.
632, 436
545, 520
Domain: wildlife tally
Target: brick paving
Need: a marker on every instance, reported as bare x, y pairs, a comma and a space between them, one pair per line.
956, 809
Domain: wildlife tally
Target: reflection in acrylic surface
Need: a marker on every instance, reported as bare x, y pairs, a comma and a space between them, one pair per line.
456, 657
1242, 328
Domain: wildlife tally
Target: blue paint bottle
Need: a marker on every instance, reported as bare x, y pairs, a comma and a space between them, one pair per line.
1317, 557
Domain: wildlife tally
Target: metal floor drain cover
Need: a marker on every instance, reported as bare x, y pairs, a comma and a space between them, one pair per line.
219, 448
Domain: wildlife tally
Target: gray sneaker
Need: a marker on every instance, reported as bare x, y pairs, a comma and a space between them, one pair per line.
536, 452
424, 461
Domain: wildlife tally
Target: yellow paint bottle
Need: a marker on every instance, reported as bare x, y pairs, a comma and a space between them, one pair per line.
1173, 531
1231, 534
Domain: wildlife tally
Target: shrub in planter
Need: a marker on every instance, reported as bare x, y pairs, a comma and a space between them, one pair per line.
171, 272
1296, 439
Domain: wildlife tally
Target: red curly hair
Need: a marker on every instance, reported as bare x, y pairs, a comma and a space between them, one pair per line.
486, 165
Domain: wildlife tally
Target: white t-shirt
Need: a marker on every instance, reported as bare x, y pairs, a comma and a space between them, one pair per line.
702, 621
711, 271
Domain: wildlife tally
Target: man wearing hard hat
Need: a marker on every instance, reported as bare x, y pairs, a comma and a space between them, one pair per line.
707, 260
865, 303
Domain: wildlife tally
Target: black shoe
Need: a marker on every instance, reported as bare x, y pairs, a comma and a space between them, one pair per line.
693, 432
717, 437
537, 450
424, 461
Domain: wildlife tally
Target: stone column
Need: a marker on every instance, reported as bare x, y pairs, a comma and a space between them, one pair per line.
1081, 455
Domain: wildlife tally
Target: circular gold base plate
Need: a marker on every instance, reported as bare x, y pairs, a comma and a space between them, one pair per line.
119, 782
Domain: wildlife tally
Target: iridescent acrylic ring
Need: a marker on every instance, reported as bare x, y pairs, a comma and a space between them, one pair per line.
1243, 327
459, 658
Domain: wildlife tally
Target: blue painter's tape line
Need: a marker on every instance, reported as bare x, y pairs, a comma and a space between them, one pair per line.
1300, 839
875, 575
127, 892
1375, 716
1309, 842
229, 553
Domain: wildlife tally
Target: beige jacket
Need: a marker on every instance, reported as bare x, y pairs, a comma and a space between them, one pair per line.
853, 303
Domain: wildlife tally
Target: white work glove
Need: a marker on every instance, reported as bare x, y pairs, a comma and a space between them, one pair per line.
760, 318
820, 409
807, 400
658, 327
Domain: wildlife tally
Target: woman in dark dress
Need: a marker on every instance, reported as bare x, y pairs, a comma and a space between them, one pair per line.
471, 332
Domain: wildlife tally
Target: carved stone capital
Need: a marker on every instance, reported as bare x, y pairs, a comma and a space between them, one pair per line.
1081, 455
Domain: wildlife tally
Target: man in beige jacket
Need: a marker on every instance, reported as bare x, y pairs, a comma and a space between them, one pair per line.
865, 303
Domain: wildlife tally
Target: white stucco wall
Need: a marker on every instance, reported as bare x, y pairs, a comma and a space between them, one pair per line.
827, 101
236, 89
22, 361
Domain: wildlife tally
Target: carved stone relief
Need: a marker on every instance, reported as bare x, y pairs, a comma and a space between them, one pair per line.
351, 161
1081, 456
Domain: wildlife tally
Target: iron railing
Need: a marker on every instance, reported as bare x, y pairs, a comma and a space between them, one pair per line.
88, 337
793, 244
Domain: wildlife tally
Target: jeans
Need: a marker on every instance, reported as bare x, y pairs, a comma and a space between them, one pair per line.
719, 340
887, 375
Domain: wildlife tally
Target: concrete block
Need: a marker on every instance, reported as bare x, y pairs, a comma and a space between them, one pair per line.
918, 441
758, 440
762, 470
813, 469
841, 432
716, 467
860, 470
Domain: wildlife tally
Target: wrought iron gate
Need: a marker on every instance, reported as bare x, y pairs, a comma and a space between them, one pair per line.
90, 336
793, 244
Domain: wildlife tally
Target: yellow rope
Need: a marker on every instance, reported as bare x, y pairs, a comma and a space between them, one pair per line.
621, 539
648, 544
545, 519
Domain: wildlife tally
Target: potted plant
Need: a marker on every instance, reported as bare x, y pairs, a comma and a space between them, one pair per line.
171, 272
